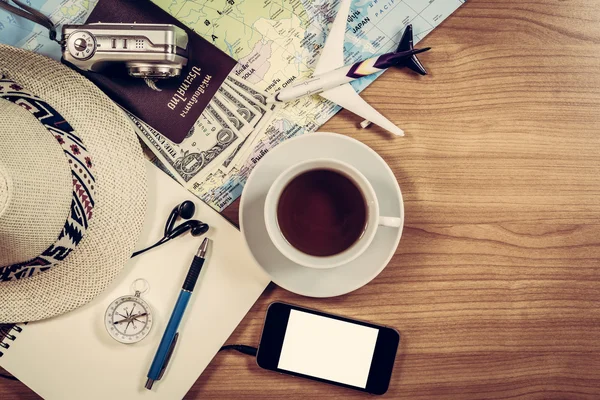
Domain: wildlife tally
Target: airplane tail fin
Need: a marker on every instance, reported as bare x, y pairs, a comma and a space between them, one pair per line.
406, 45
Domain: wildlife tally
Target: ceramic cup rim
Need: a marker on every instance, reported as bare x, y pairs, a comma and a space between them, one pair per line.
295, 255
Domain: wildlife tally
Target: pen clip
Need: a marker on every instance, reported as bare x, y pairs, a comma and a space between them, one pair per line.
168, 358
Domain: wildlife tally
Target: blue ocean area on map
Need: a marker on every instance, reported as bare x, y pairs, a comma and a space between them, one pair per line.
17, 29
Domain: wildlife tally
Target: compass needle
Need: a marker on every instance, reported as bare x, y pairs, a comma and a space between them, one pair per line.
135, 317
128, 319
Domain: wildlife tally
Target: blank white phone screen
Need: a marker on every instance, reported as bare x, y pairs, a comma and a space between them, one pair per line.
328, 348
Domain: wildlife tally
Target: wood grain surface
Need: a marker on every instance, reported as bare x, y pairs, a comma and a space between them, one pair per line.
495, 287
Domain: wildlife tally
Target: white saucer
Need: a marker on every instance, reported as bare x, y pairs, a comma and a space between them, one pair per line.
311, 281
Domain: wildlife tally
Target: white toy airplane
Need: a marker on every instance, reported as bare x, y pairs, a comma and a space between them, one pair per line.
331, 77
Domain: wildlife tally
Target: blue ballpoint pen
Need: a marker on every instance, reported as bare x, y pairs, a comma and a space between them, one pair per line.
169, 339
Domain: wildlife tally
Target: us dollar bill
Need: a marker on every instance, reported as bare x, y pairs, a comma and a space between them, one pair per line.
256, 112
231, 113
247, 88
211, 140
260, 108
230, 160
244, 149
246, 110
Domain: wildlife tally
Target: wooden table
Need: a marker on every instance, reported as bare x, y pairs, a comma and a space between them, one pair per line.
495, 286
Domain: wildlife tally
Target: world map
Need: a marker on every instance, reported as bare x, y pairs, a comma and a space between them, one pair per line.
279, 42
274, 42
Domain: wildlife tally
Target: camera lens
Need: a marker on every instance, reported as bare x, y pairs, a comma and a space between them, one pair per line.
153, 71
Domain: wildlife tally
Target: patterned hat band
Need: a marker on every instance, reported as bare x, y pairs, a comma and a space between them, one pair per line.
81, 165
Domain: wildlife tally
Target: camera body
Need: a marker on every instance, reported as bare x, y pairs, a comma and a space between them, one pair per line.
153, 51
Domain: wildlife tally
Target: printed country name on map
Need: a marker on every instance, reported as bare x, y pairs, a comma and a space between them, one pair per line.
242, 71
181, 92
358, 21
277, 81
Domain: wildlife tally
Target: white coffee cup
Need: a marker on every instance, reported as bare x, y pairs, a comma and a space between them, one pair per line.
373, 219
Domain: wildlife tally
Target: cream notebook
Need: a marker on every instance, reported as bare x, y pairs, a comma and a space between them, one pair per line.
73, 357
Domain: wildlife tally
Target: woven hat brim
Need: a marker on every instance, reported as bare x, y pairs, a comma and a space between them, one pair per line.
121, 184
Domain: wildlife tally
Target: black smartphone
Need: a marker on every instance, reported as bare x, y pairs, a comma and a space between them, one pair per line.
328, 348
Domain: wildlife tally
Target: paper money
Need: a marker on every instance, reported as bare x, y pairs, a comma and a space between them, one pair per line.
235, 98
243, 150
265, 110
245, 109
220, 187
227, 131
210, 142
246, 87
228, 109
230, 160
260, 108
153, 158
231, 113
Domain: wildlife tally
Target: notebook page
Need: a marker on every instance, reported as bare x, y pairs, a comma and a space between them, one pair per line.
73, 357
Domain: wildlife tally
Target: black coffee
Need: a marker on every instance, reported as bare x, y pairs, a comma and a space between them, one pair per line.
321, 213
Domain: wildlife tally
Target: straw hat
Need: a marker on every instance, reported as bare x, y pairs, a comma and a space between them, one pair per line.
72, 188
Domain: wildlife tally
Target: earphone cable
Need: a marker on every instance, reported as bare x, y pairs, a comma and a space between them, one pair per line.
161, 241
9, 377
242, 348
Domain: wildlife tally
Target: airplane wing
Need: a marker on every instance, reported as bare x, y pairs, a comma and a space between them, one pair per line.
332, 56
346, 97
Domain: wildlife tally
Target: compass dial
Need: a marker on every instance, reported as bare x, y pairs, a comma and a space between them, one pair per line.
128, 319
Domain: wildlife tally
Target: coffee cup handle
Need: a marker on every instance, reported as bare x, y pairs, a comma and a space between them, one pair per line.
392, 222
